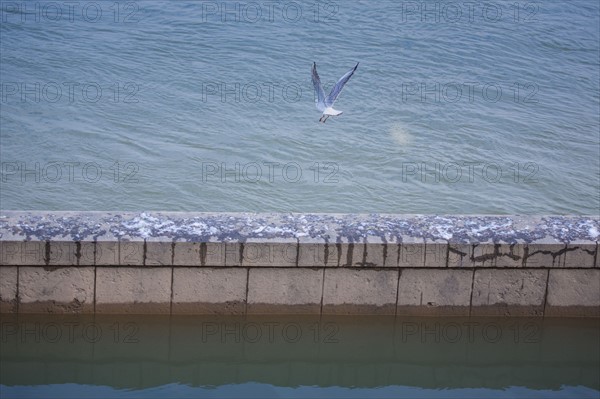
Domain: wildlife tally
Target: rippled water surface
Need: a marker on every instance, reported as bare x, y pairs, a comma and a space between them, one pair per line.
208, 106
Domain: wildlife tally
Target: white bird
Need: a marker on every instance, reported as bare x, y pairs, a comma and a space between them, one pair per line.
325, 104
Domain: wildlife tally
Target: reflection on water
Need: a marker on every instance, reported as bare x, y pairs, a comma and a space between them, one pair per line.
134, 356
400, 135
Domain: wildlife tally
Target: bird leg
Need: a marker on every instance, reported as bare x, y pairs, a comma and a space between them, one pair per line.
324, 120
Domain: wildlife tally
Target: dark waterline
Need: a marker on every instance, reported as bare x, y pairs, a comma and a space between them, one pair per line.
277, 356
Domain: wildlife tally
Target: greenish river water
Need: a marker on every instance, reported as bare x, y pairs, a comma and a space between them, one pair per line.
298, 357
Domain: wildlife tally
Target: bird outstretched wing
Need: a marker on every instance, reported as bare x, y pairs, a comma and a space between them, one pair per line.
339, 86
320, 100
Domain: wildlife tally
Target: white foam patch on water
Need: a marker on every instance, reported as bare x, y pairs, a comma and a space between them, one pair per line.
400, 135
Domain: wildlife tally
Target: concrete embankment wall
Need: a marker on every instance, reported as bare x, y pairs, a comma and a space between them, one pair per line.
219, 263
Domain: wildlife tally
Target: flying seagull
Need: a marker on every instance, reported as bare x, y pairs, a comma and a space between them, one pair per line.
325, 104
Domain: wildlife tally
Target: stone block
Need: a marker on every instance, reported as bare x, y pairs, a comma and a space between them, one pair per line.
434, 292
581, 254
61, 253
212, 253
19, 252
233, 253
460, 254
498, 254
131, 252
259, 252
317, 252
70, 253
436, 253
375, 253
360, 291
85, 253
350, 253
8, 289
209, 290
412, 252
133, 289
509, 292
573, 293
56, 290
158, 252
546, 252
107, 248
188, 253
288, 291
9, 252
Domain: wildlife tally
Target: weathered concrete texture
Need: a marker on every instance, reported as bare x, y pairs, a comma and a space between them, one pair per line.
422, 252
510, 292
70, 253
8, 289
56, 290
136, 255
436, 253
288, 291
233, 253
19, 252
136, 231
187, 254
62, 253
434, 292
10, 240
349, 291
269, 252
412, 252
490, 254
550, 253
106, 247
460, 255
212, 253
200, 227
209, 290
350, 252
158, 251
546, 252
133, 290
573, 293
317, 252
199, 254
581, 254
131, 251
371, 251
375, 253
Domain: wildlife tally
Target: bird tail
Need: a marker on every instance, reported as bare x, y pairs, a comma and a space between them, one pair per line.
332, 112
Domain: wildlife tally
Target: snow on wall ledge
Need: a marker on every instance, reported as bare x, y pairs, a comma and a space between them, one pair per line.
236, 263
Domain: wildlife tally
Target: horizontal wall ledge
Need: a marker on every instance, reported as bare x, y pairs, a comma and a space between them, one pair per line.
261, 263
292, 240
